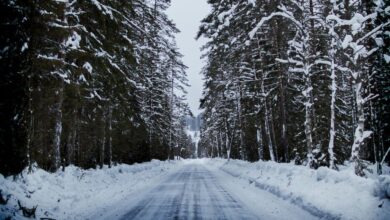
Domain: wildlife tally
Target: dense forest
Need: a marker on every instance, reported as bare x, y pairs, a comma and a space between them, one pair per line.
97, 82
304, 81
89, 83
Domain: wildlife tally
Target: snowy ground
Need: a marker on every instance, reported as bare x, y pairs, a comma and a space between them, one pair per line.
324, 193
199, 189
79, 194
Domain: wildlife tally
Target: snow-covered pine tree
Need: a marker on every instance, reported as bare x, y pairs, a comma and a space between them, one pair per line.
290, 64
84, 68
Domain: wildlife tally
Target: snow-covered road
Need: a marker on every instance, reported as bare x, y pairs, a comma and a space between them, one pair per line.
191, 193
197, 192
198, 189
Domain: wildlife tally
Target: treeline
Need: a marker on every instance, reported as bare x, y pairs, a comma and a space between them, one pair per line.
304, 81
88, 83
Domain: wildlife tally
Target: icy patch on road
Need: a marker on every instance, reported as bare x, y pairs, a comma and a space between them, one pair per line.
326, 193
77, 193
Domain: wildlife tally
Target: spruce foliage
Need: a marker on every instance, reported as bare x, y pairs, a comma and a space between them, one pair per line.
88, 83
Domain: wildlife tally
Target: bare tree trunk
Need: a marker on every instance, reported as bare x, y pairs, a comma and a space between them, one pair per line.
30, 133
271, 121
284, 122
259, 140
77, 157
69, 148
266, 122
308, 121
58, 128
228, 149
332, 130
171, 112
71, 140
221, 143
109, 145
268, 131
267, 127
103, 140
282, 92
242, 151
308, 95
30, 128
360, 133
218, 145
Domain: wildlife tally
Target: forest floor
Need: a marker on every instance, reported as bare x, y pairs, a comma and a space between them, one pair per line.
199, 189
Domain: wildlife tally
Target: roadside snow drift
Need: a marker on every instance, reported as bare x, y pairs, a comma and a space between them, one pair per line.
77, 193
325, 193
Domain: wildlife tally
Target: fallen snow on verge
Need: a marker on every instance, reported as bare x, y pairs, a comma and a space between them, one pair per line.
326, 193
77, 193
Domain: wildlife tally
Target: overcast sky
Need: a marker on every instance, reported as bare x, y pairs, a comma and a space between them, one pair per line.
187, 15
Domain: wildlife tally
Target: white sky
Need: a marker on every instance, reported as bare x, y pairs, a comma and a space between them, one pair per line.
187, 15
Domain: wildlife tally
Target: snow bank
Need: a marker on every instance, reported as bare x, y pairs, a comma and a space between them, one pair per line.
77, 193
383, 189
326, 193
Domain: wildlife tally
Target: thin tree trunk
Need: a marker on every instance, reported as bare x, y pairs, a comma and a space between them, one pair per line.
228, 144
308, 95
259, 140
374, 143
221, 144
212, 150
218, 145
30, 128
282, 91
58, 128
71, 140
109, 145
267, 120
29, 138
271, 121
103, 140
308, 122
332, 130
284, 122
268, 132
239, 109
171, 114
69, 148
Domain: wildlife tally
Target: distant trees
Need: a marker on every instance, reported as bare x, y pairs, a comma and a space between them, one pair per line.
88, 83
297, 80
